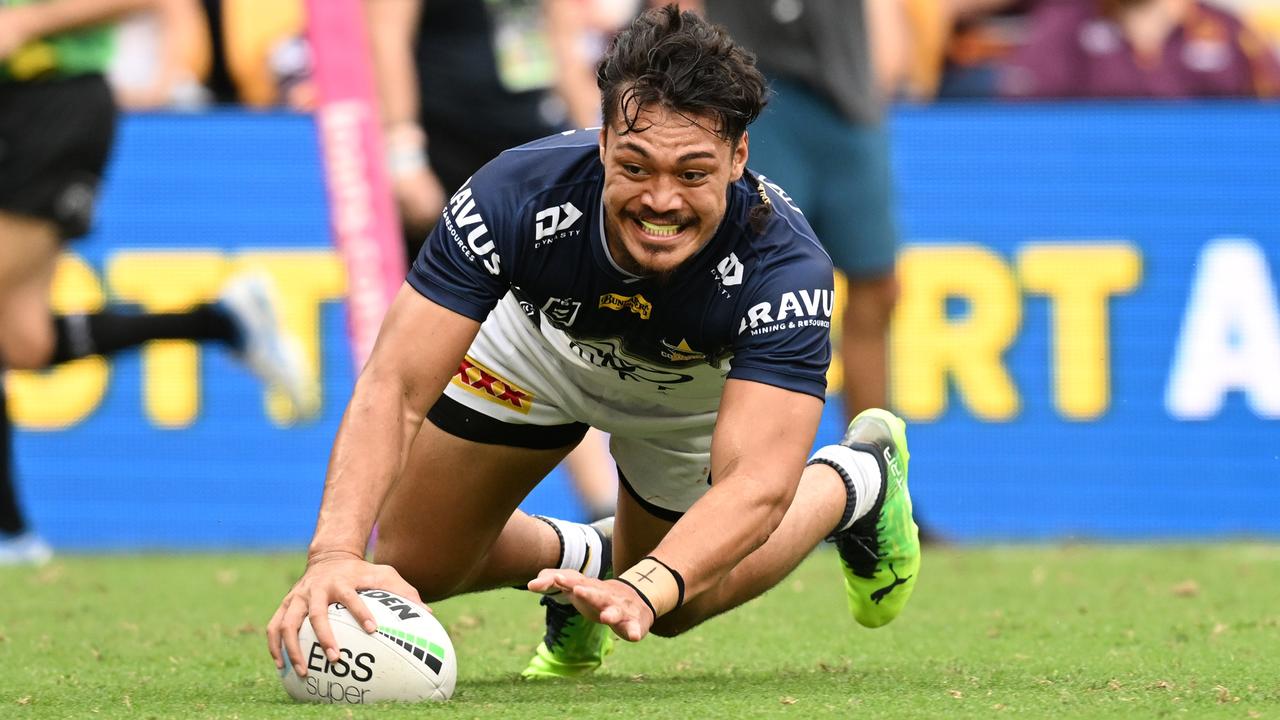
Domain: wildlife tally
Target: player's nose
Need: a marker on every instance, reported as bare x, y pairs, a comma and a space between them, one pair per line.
663, 196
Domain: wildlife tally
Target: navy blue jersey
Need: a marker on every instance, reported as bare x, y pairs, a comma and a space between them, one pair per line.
748, 305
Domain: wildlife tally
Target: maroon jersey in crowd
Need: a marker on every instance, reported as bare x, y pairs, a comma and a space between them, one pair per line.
1073, 49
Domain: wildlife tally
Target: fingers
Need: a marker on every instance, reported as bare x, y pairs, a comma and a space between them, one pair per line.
290, 623
609, 608
549, 581
273, 635
355, 605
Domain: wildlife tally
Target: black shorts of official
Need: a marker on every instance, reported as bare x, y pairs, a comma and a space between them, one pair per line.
55, 138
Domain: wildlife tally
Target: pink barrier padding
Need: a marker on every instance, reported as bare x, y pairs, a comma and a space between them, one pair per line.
366, 229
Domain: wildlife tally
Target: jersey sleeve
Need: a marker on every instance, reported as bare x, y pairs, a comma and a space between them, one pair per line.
784, 331
465, 263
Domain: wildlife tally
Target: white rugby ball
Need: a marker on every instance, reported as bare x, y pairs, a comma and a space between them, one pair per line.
408, 659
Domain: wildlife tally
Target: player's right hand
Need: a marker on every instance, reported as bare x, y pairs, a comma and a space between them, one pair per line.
329, 578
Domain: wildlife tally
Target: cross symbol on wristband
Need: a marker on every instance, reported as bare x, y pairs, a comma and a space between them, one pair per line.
645, 576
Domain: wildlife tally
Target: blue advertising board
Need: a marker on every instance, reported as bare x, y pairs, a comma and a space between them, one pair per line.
1088, 343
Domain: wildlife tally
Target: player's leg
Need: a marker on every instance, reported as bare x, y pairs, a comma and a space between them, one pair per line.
450, 524
854, 492
864, 340
28, 247
592, 473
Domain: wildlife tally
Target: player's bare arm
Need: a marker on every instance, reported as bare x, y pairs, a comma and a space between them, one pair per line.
418, 349
757, 454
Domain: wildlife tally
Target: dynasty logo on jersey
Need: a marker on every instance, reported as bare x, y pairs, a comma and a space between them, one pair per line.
635, 303
730, 270
554, 223
482, 381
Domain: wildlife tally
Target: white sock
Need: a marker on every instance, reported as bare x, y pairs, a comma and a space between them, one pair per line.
580, 546
863, 471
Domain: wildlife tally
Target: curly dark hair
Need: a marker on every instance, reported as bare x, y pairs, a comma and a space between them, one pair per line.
680, 61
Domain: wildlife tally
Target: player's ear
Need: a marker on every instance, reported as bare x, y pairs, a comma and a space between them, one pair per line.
604, 139
739, 158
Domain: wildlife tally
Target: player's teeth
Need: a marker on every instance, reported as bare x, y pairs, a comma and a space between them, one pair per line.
660, 229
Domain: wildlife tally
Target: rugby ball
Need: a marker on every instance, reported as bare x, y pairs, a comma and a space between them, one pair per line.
408, 659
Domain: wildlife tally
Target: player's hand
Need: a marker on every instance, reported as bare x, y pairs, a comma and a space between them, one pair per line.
329, 578
420, 197
607, 602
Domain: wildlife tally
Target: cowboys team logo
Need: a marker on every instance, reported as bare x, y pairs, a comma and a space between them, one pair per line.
480, 380
680, 352
635, 303
561, 312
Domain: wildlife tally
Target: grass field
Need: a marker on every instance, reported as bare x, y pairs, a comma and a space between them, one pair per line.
1081, 631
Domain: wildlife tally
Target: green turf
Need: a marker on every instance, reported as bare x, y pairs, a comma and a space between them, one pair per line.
1088, 632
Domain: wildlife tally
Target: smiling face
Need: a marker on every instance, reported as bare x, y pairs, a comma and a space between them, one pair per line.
665, 188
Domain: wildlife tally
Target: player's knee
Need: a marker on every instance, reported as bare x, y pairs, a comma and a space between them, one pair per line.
27, 343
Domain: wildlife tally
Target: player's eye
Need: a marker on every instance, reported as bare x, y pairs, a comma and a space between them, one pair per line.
693, 176
632, 169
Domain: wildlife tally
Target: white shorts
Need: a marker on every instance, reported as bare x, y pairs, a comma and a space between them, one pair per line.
527, 386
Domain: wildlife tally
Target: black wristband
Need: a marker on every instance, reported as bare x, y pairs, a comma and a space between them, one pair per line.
679, 580
643, 597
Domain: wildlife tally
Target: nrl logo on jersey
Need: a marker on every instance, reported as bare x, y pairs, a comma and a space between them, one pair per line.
554, 223
561, 312
635, 303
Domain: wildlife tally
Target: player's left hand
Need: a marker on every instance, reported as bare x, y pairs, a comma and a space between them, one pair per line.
607, 602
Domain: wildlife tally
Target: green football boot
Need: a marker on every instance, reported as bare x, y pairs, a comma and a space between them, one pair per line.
573, 646
880, 552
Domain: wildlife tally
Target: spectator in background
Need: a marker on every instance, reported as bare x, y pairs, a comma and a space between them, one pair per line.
162, 58
57, 122
822, 137
260, 56
1139, 48
459, 81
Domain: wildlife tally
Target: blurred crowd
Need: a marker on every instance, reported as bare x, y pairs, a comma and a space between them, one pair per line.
188, 54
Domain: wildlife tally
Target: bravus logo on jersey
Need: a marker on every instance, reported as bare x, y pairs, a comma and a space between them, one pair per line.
793, 309
466, 219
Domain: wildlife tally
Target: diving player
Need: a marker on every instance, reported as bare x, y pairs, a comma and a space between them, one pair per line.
643, 281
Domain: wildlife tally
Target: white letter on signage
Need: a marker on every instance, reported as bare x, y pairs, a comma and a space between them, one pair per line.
1230, 335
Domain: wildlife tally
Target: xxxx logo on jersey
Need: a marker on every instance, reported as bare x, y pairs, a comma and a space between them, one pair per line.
635, 303
484, 382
